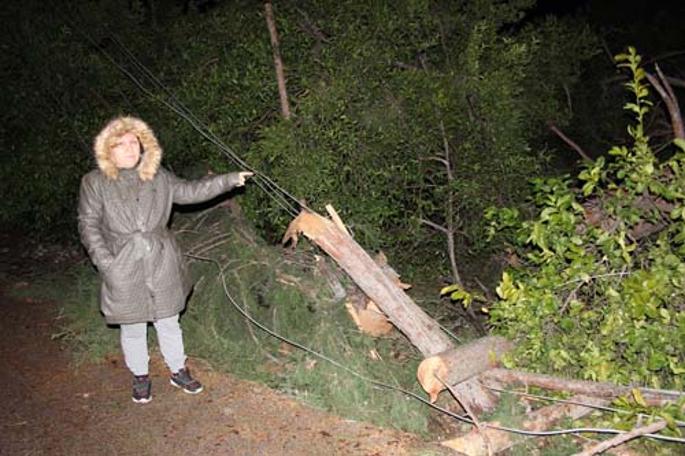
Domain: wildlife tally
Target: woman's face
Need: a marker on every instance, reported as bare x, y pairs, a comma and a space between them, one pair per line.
126, 151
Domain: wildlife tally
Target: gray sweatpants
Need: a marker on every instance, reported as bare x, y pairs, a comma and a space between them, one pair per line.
134, 345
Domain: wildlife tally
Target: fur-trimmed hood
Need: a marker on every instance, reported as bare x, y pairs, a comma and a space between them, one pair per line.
150, 149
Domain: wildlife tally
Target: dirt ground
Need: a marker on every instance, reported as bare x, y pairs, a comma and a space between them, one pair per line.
52, 407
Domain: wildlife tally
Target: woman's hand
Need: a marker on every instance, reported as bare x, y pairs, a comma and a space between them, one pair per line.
243, 176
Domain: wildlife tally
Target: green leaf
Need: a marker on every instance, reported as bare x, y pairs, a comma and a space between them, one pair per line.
449, 289
637, 396
680, 143
657, 361
676, 368
566, 324
670, 420
506, 288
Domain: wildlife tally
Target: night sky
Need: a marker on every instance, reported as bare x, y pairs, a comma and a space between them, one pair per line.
652, 26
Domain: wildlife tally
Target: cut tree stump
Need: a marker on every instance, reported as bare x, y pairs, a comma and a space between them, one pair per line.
492, 441
456, 365
423, 332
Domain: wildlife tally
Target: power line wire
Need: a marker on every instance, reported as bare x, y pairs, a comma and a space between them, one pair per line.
280, 196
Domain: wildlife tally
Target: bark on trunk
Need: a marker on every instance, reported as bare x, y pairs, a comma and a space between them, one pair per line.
474, 396
461, 363
278, 62
596, 389
423, 332
492, 441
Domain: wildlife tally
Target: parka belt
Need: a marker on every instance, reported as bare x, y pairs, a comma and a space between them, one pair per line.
145, 241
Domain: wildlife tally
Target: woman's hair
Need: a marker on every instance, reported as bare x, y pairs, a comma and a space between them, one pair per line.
118, 127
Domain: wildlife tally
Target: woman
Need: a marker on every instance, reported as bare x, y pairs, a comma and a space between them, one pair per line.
124, 209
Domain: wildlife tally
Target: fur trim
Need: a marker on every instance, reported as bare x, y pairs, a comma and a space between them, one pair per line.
150, 148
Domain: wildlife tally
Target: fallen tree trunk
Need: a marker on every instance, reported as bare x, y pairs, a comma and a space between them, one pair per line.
461, 363
423, 332
589, 388
385, 290
491, 441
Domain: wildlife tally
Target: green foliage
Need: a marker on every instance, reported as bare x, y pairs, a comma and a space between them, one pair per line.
61, 89
459, 293
633, 411
391, 86
372, 86
595, 296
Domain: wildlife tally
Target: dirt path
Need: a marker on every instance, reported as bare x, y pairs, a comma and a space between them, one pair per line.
51, 407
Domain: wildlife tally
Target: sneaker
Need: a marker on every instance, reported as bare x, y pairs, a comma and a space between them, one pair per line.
142, 389
183, 380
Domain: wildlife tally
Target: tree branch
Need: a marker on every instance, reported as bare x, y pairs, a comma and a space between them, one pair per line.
622, 438
441, 160
450, 208
664, 89
278, 62
597, 389
433, 225
568, 141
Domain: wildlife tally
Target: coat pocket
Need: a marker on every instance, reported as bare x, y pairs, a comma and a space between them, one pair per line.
124, 278
168, 273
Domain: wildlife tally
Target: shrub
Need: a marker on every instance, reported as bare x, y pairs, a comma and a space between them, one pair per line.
600, 291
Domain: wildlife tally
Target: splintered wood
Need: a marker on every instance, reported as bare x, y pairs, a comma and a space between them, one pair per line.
369, 319
364, 312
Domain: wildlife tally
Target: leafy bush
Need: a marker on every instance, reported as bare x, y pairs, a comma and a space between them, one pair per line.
61, 89
599, 292
389, 86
